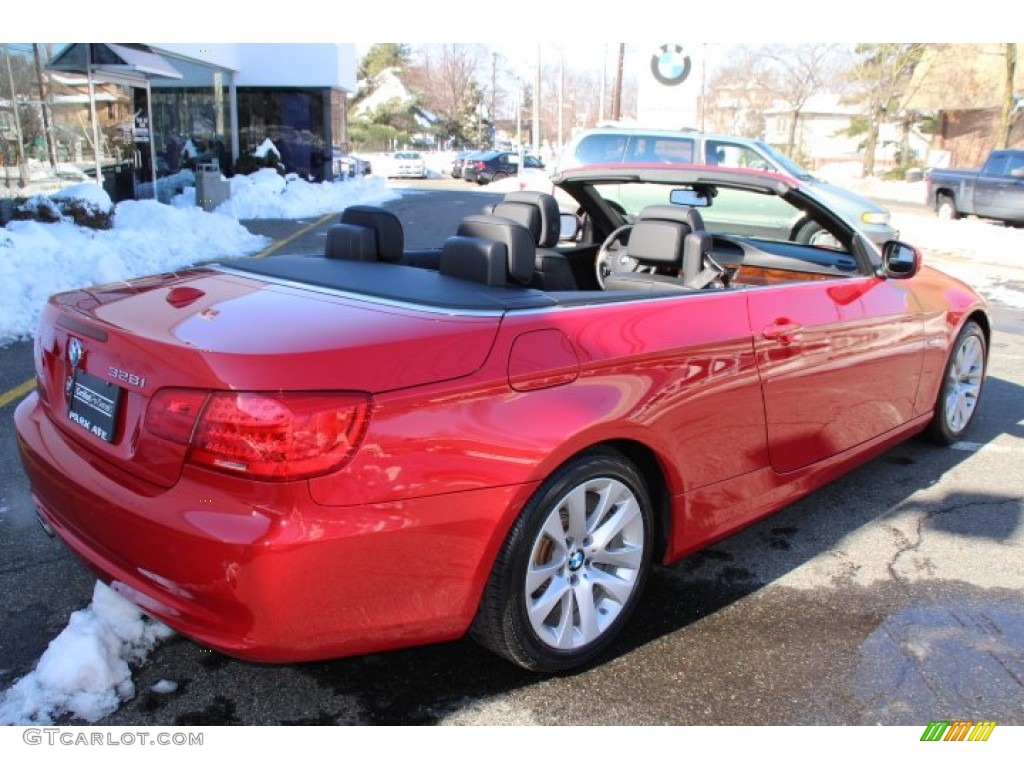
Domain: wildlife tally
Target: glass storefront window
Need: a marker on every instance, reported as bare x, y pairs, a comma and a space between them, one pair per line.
296, 120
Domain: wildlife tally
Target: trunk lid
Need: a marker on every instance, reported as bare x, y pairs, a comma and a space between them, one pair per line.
107, 350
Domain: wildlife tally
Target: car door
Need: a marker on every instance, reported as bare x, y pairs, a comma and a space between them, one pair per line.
839, 361
997, 193
736, 212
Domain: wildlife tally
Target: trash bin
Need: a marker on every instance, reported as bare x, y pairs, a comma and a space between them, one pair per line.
119, 182
212, 189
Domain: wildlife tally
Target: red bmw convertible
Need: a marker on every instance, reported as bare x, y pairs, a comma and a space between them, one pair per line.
304, 457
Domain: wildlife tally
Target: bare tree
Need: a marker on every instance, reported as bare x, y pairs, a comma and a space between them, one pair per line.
881, 79
448, 76
795, 73
1009, 100
734, 103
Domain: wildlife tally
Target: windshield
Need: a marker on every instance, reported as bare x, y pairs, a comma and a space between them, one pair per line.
790, 166
739, 211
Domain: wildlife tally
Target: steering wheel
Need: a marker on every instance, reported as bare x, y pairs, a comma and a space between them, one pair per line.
614, 259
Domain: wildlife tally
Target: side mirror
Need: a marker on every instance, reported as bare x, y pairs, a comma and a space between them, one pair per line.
899, 260
570, 226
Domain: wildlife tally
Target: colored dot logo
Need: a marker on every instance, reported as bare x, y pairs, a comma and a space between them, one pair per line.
670, 65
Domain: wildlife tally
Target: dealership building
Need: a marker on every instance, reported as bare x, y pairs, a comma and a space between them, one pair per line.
135, 112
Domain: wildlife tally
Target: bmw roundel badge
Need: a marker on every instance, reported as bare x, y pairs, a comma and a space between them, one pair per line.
75, 352
670, 65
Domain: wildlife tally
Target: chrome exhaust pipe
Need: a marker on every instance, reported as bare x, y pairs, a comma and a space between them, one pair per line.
45, 525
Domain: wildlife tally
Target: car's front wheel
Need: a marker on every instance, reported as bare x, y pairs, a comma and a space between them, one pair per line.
572, 568
961, 386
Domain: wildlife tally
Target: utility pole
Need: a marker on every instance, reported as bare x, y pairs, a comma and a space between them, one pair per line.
536, 105
561, 99
604, 85
494, 89
44, 105
617, 88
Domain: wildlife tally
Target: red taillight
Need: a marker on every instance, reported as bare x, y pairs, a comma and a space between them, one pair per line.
172, 413
266, 436
478, 165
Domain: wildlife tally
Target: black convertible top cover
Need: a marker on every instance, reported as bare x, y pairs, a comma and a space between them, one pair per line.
395, 282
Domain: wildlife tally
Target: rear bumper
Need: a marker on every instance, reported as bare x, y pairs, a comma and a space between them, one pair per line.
259, 570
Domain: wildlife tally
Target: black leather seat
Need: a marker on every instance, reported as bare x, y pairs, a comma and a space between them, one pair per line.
657, 246
350, 243
697, 268
475, 258
518, 242
538, 212
366, 233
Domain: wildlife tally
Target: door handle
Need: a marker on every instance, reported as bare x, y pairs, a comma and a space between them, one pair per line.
783, 332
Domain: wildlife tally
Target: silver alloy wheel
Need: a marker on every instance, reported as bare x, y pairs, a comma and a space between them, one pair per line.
585, 563
964, 383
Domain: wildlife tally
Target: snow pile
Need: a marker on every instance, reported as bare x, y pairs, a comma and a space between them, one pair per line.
848, 175
983, 254
268, 195
266, 148
85, 671
88, 193
38, 260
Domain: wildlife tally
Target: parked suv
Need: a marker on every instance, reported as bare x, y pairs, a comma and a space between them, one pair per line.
601, 146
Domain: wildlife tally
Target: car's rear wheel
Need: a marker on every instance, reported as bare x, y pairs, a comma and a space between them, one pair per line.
499, 176
961, 386
572, 568
945, 208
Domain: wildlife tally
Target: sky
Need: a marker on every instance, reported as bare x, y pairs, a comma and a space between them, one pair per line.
86, 670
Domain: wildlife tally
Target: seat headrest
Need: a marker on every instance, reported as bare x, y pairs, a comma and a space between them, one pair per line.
517, 239
351, 243
475, 258
682, 213
658, 242
390, 236
523, 214
550, 215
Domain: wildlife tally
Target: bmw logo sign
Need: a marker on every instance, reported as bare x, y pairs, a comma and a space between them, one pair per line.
670, 65
75, 352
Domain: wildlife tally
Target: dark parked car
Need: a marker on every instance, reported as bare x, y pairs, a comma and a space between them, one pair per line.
486, 167
994, 192
459, 161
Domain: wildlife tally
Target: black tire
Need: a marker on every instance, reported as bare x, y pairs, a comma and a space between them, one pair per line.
962, 382
945, 208
573, 567
807, 231
499, 176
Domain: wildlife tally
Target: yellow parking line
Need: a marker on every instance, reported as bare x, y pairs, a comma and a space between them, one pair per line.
270, 249
19, 391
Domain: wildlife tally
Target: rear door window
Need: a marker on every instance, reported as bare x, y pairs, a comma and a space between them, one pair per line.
601, 148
